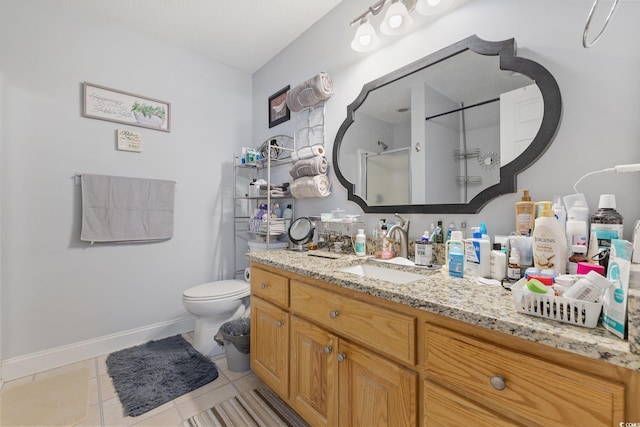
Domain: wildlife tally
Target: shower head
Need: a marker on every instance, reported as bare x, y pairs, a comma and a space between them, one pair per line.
384, 146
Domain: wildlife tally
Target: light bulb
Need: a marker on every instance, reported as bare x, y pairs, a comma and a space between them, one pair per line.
396, 20
432, 7
366, 38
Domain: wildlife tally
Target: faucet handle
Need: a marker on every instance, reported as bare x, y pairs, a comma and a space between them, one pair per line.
404, 223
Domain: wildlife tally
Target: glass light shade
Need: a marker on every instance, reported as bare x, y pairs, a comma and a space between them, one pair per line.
432, 7
366, 38
397, 20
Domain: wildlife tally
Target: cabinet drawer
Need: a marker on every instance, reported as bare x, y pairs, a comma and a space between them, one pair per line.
535, 392
444, 408
270, 286
388, 332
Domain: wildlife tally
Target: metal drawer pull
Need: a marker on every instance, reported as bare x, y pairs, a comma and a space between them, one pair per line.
341, 357
328, 349
333, 314
279, 323
497, 382
263, 285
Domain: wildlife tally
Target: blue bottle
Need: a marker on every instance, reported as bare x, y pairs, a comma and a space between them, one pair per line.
455, 258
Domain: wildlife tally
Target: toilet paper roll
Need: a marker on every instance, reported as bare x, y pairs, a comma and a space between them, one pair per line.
307, 152
247, 274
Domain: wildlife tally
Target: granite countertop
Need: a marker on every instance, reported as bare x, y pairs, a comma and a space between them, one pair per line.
488, 306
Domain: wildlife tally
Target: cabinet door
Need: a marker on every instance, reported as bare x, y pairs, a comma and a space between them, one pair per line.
443, 408
270, 345
314, 373
373, 390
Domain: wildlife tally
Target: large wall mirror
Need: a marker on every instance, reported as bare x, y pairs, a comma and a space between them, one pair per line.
447, 133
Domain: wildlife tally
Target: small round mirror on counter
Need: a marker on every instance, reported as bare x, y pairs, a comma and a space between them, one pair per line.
301, 233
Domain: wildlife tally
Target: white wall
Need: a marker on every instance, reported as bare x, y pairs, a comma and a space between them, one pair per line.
57, 290
599, 86
1, 198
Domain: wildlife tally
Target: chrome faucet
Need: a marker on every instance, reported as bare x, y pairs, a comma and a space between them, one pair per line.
403, 229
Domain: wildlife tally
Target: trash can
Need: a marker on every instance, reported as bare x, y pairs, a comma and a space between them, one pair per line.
234, 336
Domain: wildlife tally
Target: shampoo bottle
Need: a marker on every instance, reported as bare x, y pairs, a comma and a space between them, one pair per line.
525, 215
549, 242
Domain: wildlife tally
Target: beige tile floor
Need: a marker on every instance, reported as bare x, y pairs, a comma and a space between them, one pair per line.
105, 408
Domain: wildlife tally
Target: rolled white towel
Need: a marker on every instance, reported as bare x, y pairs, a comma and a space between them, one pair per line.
311, 186
310, 92
316, 165
307, 152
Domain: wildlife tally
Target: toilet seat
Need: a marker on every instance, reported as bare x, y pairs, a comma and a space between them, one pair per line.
221, 289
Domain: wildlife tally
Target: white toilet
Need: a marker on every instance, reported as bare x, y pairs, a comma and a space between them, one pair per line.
213, 304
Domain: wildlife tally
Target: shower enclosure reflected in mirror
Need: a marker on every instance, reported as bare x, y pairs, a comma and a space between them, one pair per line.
447, 133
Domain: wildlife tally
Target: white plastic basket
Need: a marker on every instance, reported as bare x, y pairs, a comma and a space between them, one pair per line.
567, 310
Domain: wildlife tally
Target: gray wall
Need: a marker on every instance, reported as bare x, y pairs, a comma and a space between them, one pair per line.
57, 290
599, 86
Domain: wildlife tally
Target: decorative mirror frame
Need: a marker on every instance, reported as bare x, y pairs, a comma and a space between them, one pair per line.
506, 50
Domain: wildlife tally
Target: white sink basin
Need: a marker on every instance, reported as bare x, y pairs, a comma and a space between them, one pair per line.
381, 273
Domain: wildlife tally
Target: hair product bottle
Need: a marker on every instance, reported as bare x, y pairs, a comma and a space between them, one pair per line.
525, 215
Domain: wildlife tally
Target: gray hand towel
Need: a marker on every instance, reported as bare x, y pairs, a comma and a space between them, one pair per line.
119, 209
316, 165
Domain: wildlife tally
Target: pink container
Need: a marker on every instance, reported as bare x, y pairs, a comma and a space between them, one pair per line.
585, 267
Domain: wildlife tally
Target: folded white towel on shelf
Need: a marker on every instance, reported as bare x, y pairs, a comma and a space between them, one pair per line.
316, 165
310, 92
311, 186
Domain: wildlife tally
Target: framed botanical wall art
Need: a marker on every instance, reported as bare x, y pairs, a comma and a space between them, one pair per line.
103, 103
278, 110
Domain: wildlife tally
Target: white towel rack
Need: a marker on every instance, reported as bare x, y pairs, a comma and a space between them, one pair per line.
78, 181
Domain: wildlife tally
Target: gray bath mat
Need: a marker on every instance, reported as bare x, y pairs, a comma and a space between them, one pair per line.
148, 375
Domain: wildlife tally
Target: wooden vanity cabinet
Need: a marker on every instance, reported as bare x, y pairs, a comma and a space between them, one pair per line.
342, 358
269, 340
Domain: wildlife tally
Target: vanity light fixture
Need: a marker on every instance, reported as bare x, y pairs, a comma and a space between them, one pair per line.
432, 7
397, 20
366, 38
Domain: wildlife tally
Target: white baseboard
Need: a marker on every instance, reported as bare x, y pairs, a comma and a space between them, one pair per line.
34, 363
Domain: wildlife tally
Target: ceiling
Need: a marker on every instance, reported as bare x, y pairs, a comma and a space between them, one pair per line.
245, 34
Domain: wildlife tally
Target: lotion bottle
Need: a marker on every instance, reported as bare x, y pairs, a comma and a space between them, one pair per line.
477, 255
525, 215
549, 242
